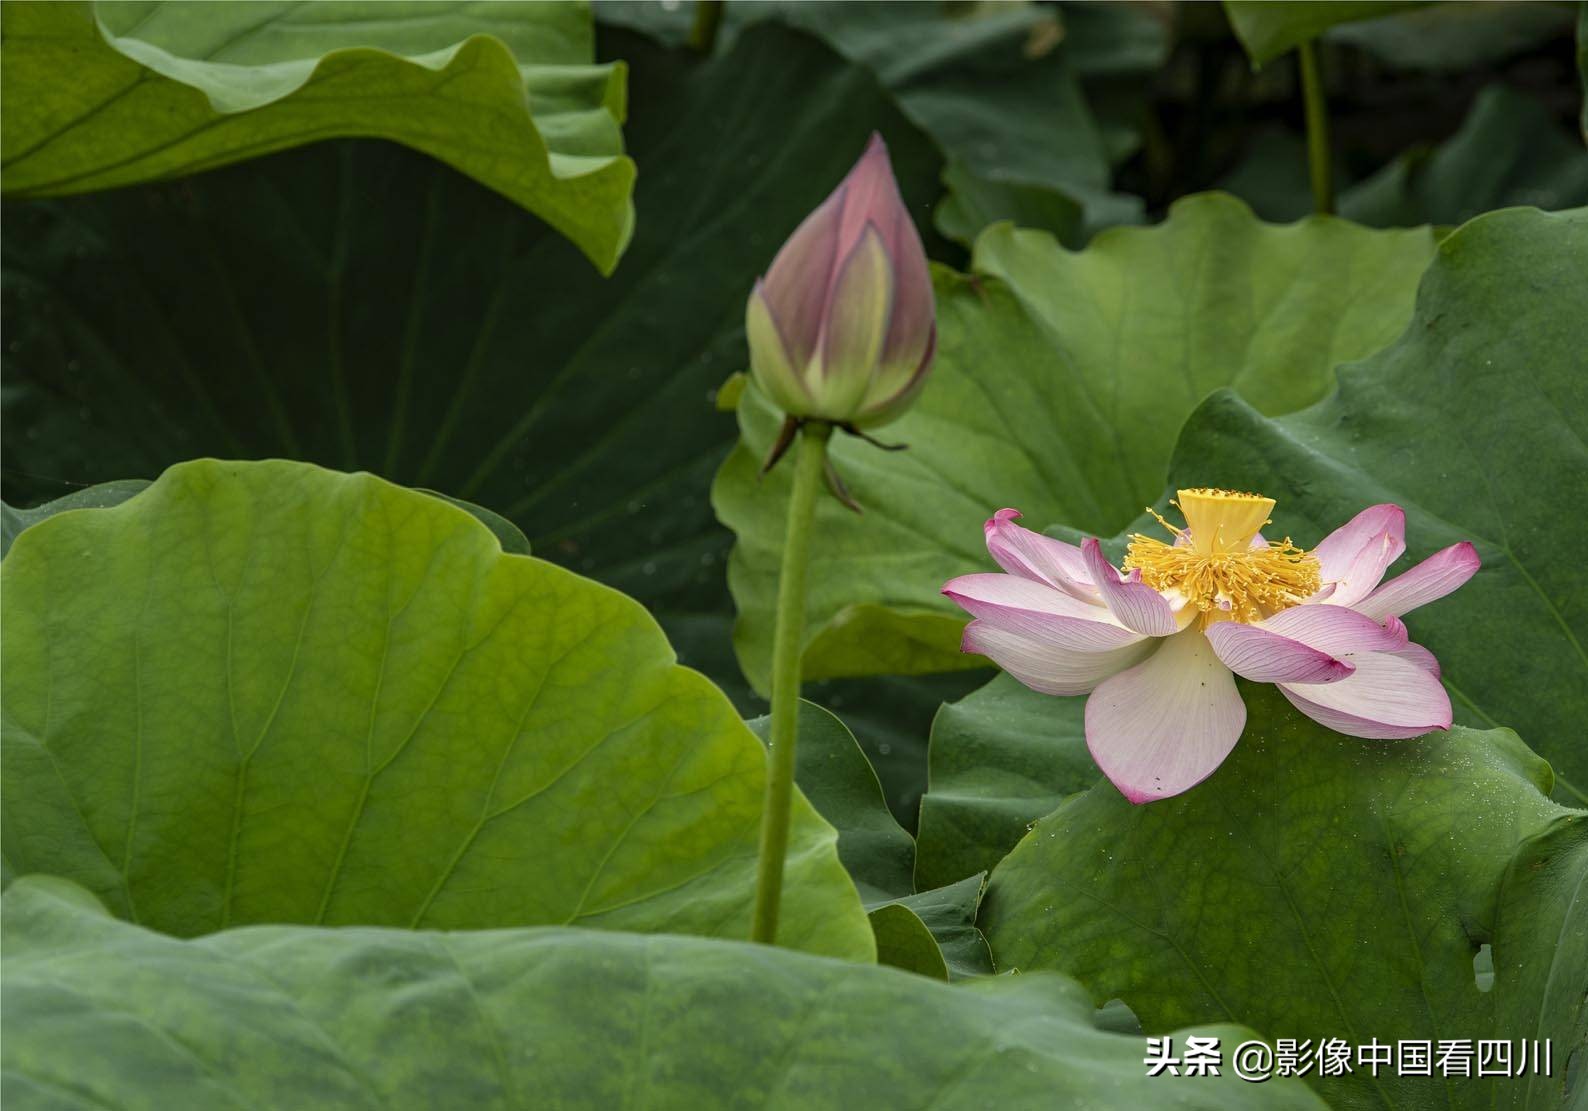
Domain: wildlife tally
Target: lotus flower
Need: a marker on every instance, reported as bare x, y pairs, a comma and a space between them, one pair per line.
1157, 647
843, 326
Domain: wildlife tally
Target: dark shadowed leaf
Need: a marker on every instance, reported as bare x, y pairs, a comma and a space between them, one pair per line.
1452, 37
1269, 28
250, 312
1510, 151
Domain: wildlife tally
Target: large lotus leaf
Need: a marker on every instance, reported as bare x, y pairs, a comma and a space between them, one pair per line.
101, 496
265, 692
1000, 758
1316, 886
101, 95
1268, 28
107, 494
365, 308
1475, 423
106, 1014
1453, 37
1061, 380
1541, 962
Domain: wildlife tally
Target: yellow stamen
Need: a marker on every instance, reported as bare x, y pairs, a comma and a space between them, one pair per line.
1217, 569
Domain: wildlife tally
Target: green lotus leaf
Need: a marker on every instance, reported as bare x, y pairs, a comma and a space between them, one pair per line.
903, 941
265, 692
100, 496
106, 494
1269, 28
109, 94
835, 775
1316, 886
948, 914
1456, 37
107, 1014
1061, 380
1542, 961
1000, 758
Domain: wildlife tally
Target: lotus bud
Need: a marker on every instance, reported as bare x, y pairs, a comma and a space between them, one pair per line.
843, 327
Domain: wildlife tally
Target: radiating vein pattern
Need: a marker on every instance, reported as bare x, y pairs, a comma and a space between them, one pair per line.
279, 694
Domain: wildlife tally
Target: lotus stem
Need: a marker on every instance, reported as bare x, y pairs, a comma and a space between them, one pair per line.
787, 645
1317, 130
708, 17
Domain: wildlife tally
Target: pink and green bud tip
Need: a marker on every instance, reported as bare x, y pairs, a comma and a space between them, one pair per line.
843, 327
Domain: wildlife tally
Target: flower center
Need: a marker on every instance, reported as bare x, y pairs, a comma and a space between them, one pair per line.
1214, 565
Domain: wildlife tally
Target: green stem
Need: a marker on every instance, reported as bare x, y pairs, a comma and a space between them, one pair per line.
1317, 130
708, 17
788, 640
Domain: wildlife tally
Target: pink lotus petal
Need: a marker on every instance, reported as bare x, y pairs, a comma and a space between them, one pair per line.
1166, 724
1138, 606
1038, 558
1431, 579
1045, 668
799, 280
1387, 698
1038, 612
1407, 650
1336, 630
1355, 555
1255, 653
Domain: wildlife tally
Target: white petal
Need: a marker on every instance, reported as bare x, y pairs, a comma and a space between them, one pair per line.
1044, 667
1166, 724
1255, 653
1039, 612
1387, 698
